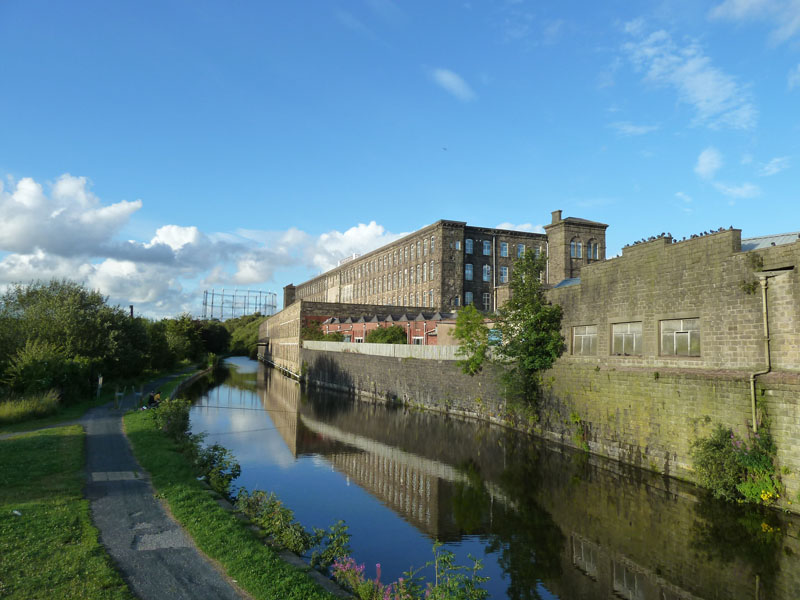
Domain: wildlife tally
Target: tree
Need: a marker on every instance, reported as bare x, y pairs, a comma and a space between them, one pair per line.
530, 328
183, 338
387, 335
473, 337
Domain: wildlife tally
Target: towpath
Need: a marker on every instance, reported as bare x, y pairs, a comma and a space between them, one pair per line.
158, 560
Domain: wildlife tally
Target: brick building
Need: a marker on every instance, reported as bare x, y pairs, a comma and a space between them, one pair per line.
450, 264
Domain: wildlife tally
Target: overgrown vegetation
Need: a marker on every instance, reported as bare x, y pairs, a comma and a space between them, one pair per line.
387, 335
48, 546
451, 581
473, 339
243, 335
312, 331
278, 522
527, 339
736, 469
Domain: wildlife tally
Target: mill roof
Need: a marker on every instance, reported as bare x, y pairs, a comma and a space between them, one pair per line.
766, 241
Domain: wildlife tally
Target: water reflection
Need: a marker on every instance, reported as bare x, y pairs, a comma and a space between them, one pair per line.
548, 523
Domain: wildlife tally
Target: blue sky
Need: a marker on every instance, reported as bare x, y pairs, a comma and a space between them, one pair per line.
156, 149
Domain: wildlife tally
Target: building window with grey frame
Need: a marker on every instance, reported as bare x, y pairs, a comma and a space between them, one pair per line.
468, 246
487, 273
458, 244
520, 250
626, 339
592, 250
503, 248
487, 301
467, 298
503, 274
584, 340
680, 337
468, 272
487, 248
575, 249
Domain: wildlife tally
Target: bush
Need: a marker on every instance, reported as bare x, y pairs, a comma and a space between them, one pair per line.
735, 469
172, 417
218, 465
387, 335
39, 367
277, 521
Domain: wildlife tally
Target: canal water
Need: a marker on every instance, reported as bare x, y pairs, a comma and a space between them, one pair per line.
546, 521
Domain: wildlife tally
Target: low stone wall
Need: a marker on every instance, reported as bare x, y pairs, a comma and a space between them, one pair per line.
390, 350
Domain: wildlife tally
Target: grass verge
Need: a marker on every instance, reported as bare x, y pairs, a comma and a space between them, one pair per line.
257, 568
77, 409
52, 550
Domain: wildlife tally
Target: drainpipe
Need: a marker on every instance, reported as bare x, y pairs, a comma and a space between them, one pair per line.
547, 262
763, 281
494, 273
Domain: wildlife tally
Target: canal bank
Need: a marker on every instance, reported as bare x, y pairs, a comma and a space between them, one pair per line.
548, 522
640, 416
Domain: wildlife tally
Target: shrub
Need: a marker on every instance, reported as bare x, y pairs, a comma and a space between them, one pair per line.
736, 469
38, 367
218, 465
277, 521
387, 335
172, 417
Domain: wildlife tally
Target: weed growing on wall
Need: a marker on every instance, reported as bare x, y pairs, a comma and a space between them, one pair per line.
737, 469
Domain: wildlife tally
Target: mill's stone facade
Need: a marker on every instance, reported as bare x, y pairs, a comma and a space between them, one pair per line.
450, 264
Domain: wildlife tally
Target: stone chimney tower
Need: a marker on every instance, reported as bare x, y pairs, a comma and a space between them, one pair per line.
572, 243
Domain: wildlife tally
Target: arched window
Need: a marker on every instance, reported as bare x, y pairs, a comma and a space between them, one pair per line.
575, 248
592, 250
433, 243
487, 273
431, 272
424, 271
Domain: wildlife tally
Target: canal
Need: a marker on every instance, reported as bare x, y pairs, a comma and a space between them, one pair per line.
546, 521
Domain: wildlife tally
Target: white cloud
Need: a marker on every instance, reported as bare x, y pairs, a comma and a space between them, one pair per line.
745, 190
631, 129
453, 84
521, 227
776, 165
160, 276
717, 98
332, 246
708, 163
68, 222
686, 198
784, 15
793, 79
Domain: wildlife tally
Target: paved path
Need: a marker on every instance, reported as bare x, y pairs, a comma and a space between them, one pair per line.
155, 556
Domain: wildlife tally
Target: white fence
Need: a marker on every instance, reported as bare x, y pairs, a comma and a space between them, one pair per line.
391, 350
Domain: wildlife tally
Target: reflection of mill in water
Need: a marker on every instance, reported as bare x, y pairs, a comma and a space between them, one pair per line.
417, 488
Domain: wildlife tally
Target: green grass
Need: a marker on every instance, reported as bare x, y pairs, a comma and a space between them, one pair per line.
74, 411
52, 550
256, 567
16, 410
